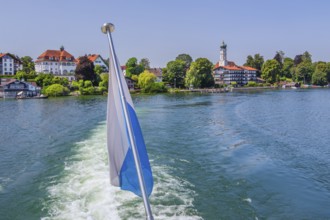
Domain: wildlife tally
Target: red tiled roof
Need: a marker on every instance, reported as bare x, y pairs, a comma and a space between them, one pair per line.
249, 68
58, 55
93, 57
232, 66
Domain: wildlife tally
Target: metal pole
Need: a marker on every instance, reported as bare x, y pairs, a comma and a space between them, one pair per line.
107, 28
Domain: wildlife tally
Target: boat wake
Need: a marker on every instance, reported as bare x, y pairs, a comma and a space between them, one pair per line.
83, 190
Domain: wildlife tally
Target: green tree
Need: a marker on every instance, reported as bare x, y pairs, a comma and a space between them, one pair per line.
297, 60
56, 90
104, 80
185, 58
303, 72
200, 74
21, 75
193, 79
287, 67
146, 79
256, 62
133, 68
249, 61
328, 71
85, 70
319, 76
28, 65
98, 69
306, 57
175, 73
279, 57
145, 63
271, 71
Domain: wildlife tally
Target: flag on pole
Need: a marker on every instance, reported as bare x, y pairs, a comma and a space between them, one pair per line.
123, 172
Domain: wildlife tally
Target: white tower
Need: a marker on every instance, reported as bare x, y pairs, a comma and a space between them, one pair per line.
223, 54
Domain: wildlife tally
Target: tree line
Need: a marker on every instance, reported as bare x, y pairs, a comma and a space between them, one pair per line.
182, 72
299, 69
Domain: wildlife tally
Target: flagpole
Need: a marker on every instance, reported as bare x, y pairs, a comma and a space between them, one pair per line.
107, 28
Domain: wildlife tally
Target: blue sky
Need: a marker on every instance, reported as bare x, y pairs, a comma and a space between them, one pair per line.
160, 30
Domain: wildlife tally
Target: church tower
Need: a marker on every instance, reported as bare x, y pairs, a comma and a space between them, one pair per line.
223, 54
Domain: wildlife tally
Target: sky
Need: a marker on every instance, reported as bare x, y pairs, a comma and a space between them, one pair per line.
162, 29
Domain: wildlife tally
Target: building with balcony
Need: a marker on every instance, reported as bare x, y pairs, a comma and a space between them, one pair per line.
11, 88
9, 64
226, 72
57, 62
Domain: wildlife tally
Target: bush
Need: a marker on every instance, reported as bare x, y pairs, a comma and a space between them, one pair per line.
251, 84
56, 90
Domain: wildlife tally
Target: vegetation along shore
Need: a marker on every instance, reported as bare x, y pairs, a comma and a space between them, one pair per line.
181, 74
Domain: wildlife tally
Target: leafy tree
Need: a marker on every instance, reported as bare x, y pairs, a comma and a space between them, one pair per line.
200, 74
306, 57
175, 73
271, 71
132, 68
28, 65
56, 90
44, 80
146, 79
85, 70
249, 61
193, 78
328, 71
21, 75
287, 67
98, 69
145, 63
303, 72
135, 78
185, 58
256, 62
319, 77
297, 60
104, 80
279, 57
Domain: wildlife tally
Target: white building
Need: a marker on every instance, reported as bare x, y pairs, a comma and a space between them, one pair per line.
9, 64
98, 60
158, 73
226, 72
57, 62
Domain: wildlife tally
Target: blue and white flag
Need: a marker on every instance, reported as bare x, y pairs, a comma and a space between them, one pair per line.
123, 171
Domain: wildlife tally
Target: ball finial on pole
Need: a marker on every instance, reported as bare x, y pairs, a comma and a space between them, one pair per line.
107, 27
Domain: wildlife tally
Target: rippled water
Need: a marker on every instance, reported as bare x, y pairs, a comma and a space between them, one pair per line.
255, 155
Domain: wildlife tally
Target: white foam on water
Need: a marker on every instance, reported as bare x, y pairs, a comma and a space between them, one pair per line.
84, 191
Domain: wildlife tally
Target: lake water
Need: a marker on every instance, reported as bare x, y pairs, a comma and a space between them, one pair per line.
248, 155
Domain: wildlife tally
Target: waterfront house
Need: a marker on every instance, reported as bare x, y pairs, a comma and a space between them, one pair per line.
98, 60
11, 88
130, 83
9, 64
57, 62
226, 72
158, 73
